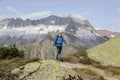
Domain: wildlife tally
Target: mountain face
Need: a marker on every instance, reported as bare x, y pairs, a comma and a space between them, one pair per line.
107, 53
51, 20
43, 48
23, 32
45, 25
107, 33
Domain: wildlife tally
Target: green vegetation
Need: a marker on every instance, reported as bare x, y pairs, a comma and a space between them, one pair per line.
81, 57
72, 78
10, 58
10, 52
32, 60
107, 53
114, 70
70, 58
89, 72
7, 65
8, 62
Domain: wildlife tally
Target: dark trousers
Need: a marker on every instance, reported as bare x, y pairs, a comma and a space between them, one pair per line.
59, 49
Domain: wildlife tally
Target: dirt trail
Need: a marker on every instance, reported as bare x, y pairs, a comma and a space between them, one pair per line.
100, 71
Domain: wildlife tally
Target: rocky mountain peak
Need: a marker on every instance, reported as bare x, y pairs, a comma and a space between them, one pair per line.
50, 20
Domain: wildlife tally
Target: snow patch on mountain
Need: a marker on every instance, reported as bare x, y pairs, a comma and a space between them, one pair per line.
112, 35
83, 32
52, 21
89, 28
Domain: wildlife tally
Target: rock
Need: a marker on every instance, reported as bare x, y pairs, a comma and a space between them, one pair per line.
45, 70
50, 70
26, 70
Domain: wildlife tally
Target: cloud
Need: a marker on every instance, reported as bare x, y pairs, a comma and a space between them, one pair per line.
2, 17
32, 15
14, 10
36, 15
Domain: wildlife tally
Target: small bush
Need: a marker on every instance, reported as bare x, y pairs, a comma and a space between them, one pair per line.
89, 72
8, 62
10, 52
80, 56
32, 60
81, 53
76, 57
114, 70
85, 60
97, 64
69, 58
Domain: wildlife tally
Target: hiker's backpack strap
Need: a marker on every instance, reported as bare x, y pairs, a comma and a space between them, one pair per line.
56, 38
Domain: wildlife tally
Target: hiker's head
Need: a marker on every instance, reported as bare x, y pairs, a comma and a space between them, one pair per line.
60, 34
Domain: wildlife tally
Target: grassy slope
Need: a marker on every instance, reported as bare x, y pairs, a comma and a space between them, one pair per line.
107, 53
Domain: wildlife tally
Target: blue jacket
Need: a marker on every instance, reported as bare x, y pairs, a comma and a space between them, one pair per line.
59, 41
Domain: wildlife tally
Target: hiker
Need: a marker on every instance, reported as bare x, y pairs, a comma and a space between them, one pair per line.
58, 44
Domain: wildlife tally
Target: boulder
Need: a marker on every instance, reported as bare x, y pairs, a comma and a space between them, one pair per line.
44, 70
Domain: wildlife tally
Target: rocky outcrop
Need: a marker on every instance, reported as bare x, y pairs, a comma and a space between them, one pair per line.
106, 33
50, 20
44, 70
50, 70
72, 27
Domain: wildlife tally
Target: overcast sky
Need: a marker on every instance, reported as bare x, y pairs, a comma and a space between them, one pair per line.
103, 14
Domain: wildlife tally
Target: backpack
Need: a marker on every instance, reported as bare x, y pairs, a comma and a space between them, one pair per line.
57, 39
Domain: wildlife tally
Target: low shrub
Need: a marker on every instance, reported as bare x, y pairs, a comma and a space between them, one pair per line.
10, 52
114, 70
80, 56
81, 53
32, 60
69, 58
89, 72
